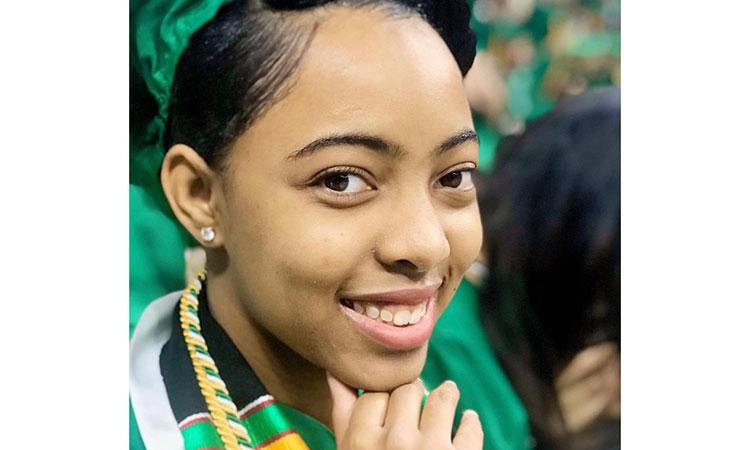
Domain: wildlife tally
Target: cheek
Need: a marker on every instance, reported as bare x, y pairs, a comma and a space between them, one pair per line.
298, 244
325, 251
464, 233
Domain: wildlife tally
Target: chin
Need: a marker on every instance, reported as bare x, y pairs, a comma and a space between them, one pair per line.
386, 372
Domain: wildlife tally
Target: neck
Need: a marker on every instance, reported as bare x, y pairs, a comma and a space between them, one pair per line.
288, 377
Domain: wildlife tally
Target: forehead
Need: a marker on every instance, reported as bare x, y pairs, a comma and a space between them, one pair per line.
369, 47
366, 58
368, 71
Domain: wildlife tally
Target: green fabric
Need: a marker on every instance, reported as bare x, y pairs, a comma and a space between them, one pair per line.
316, 435
157, 245
275, 418
263, 425
160, 31
201, 435
460, 351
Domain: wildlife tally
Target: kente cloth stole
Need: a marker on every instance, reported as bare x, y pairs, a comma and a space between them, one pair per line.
270, 425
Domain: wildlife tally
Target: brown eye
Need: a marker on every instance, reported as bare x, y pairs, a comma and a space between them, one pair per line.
346, 183
452, 180
459, 179
337, 182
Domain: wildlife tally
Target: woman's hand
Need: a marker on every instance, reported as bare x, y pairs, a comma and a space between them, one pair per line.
383, 421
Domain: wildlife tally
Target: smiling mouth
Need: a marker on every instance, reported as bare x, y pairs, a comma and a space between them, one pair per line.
391, 314
400, 320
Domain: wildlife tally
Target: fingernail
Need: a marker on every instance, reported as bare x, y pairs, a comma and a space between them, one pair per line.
471, 412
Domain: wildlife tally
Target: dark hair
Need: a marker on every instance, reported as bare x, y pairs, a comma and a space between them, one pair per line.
551, 214
237, 65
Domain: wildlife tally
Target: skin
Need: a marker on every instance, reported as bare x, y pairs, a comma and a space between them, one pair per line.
382, 420
288, 247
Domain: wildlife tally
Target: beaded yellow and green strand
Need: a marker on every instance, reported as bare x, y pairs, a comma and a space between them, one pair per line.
223, 411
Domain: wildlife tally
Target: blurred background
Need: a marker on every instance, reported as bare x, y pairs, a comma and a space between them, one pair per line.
532, 53
544, 91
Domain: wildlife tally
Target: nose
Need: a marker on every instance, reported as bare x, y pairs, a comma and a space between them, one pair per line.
414, 240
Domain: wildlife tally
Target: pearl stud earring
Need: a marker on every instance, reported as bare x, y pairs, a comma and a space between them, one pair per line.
208, 234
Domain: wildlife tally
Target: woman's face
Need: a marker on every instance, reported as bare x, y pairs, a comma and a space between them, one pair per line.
352, 196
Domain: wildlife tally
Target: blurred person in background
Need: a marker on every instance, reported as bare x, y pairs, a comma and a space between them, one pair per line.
551, 301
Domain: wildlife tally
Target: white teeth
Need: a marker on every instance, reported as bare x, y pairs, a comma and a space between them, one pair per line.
372, 312
401, 318
417, 315
386, 316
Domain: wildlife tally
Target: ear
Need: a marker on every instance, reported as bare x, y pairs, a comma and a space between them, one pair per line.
192, 189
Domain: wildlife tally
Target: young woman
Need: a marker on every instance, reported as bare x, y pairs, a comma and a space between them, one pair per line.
321, 152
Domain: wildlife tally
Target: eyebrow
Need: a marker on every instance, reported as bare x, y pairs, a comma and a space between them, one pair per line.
378, 144
456, 140
374, 143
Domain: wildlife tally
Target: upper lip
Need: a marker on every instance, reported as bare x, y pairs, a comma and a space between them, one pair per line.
411, 296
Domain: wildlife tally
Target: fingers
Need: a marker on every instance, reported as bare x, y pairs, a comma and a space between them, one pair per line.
469, 435
344, 399
405, 405
439, 410
357, 421
369, 412
378, 420
366, 425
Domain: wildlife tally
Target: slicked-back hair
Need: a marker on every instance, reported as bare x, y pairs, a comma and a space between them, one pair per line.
241, 62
